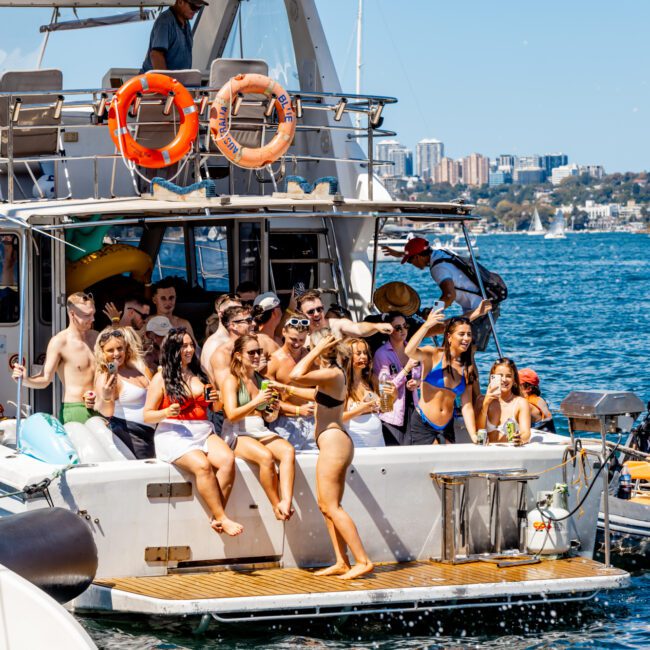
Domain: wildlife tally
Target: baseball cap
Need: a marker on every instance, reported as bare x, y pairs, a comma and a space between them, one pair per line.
414, 246
266, 301
159, 325
528, 376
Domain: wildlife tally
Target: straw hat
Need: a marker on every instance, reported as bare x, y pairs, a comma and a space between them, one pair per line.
397, 296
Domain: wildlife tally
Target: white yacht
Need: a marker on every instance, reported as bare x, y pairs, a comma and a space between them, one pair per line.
446, 525
536, 227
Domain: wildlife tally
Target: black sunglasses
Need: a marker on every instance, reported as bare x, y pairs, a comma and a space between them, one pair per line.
401, 328
248, 319
254, 353
140, 313
118, 334
315, 310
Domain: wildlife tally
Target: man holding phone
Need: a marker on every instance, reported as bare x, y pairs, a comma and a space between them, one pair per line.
455, 287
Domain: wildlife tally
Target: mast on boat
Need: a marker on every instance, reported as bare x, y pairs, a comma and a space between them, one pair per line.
536, 227
359, 50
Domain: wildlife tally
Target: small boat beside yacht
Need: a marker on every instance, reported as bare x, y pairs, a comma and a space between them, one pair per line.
557, 229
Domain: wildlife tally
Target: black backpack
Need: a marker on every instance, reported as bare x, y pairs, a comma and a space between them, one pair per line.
495, 288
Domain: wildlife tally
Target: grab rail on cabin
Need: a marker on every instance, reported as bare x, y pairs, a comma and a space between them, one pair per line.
95, 102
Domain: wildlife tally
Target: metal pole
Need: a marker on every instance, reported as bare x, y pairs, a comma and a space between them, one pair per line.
359, 48
605, 472
374, 262
21, 332
480, 286
371, 163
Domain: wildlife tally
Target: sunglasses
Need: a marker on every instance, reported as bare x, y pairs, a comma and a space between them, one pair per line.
298, 322
86, 297
315, 310
254, 353
401, 328
118, 334
248, 319
142, 314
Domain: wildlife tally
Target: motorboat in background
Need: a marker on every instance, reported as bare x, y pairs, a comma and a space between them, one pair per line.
557, 229
536, 227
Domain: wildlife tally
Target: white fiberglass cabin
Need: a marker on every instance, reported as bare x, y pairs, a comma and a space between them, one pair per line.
446, 524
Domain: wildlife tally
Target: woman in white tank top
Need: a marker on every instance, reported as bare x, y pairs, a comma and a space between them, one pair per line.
121, 383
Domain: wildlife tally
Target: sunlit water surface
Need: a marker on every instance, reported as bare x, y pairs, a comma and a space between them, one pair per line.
578, 314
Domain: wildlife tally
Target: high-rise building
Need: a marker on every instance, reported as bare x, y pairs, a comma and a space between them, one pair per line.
528, 162
428, 153
562, 172
506, 162
448, 171
476, 169
552, 160
394, 152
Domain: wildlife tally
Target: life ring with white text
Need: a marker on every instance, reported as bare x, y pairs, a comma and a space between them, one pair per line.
149, 83
248, 157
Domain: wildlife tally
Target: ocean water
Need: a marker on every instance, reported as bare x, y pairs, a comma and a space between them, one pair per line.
578, 313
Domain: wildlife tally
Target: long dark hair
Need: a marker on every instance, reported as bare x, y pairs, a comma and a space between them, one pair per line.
504, 361
176, 388
366, 373
467, 357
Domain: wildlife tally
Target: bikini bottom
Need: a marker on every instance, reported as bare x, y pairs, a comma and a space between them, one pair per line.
422, 431
331, 426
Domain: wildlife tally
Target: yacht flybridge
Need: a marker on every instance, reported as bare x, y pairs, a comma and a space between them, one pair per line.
449, 526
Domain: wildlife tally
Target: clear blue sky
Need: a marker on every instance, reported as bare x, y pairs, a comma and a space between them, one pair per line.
491, 77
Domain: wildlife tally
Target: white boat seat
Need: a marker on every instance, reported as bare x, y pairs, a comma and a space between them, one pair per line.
29, 142
115, 77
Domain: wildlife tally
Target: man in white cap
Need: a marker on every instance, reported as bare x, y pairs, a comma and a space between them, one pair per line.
156, 330
268, 314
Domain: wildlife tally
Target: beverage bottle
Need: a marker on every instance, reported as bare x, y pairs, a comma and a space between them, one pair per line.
385, 398
625, 484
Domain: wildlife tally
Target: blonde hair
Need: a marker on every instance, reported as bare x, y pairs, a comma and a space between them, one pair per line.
133, 355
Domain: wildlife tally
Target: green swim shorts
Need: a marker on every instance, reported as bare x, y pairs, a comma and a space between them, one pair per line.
75, 412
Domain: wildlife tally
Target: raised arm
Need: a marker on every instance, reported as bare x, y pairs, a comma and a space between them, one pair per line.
301, 373
433, 319
105, 388
346, 327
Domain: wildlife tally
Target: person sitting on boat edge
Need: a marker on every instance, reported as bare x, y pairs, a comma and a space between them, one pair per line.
404, 373
540, 414
296, 420
455, 287
184, 436
70, 354
362, 400
164, 301
447, 372
311, 305
503, 407
170, 42
248, 407
121, 383
335, 450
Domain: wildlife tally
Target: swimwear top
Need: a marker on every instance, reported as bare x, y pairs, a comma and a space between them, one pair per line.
194, 408
244, 397
327, 400
436, 378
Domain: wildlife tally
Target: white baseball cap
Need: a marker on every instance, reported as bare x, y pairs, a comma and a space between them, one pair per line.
159, 325
267, 301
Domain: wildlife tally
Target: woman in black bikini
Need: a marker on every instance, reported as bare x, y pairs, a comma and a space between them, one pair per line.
335, 450
447, 372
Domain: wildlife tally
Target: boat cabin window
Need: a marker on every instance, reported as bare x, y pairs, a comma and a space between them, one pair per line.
171, 255
211, 257
261, 31
250, 252
288, 254
9, 281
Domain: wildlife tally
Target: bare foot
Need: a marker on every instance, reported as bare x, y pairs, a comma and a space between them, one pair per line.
359, 569
227, 526
334, 570
285, 508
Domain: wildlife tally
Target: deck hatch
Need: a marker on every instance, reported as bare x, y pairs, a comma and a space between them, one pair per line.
167, 553
169, 490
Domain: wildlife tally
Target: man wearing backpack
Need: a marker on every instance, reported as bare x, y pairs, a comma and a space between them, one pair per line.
455, 276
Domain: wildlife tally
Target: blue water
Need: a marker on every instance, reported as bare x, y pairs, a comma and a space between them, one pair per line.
578, 314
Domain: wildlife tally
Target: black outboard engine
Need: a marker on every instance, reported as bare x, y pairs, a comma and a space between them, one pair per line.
641, 434
52, 548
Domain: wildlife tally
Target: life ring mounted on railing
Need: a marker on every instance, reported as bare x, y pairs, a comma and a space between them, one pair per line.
248, 157
150, 83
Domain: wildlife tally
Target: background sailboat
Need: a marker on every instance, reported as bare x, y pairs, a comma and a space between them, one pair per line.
557, 228
536, 227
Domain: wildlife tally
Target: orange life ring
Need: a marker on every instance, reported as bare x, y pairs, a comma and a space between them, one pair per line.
153, 82
220, 118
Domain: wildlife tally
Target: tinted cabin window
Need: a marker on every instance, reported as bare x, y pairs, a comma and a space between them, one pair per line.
211, 251
171, 255
249, 252
9, 280
285, 252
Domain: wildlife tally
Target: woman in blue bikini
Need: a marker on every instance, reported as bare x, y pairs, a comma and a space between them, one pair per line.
447, 372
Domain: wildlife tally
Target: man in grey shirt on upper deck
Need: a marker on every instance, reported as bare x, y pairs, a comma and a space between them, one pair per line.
170, 44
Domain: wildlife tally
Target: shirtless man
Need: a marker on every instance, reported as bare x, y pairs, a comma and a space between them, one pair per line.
135, 314
70, 355
156, 330
268, 314
311, 305
164, 300
220, 335
296, 420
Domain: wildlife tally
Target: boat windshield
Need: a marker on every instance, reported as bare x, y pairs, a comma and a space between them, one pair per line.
261, 31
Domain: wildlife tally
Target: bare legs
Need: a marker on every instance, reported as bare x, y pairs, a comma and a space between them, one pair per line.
213, 489
265, 454
334, 458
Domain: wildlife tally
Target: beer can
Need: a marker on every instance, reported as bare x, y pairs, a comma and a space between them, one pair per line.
481, 437
511, 430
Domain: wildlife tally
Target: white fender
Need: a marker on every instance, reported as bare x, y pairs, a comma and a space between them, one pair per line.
112, 444
8, 432
89, 447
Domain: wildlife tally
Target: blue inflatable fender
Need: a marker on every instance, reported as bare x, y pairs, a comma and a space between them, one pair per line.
43, 437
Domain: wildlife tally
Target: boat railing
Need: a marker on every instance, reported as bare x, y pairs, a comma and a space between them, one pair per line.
64, 108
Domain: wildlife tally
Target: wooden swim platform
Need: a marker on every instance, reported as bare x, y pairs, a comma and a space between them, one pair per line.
254, 593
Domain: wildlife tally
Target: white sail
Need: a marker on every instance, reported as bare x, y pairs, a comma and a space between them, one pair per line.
536, 227
556, 231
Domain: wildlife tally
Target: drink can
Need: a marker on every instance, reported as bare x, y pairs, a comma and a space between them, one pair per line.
482, 437
511, 430
264, 384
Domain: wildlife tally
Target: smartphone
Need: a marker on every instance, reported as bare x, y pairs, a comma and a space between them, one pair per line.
495, 381
206, 392
299, 289
438, 305
111, 366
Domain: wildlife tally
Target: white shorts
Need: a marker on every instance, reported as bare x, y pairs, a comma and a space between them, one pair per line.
175, 438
